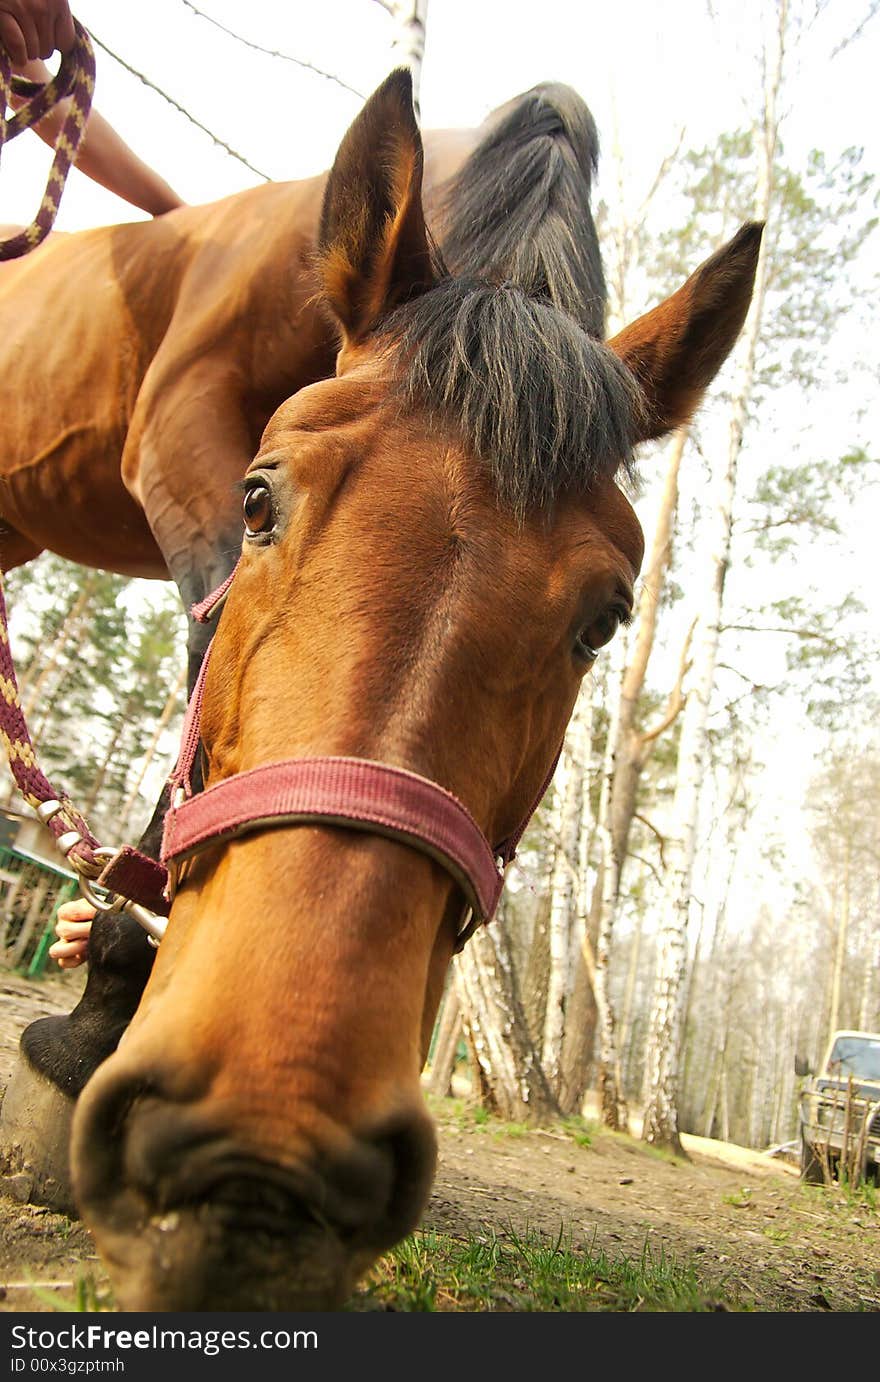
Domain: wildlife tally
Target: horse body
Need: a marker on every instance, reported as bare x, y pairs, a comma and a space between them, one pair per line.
132, 404
435, 552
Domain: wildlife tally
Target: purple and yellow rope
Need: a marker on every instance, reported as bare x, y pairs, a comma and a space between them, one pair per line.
75, 78
34, 787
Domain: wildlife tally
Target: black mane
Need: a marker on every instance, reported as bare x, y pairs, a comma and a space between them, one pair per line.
507, 347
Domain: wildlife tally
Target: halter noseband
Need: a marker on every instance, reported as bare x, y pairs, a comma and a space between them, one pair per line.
352, 793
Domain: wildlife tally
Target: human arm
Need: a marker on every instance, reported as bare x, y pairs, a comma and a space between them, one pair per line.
104, 156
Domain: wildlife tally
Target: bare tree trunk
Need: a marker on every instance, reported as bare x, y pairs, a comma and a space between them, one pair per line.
536, 975
665, 1035
840, 945
725, 1104
632, 971
563, 889
611, 1101
580, 1024
69, 627
109, 754
446, 1045
509, 1073
168, 710
871, 968
410, 19
34, 922
32, 690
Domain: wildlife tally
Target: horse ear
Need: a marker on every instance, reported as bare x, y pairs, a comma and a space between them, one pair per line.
676, 349
373, 250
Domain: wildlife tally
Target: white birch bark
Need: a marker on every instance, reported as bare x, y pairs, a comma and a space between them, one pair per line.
664, 1035
570, 777
410, 18
611, 1100
172, 703
511, 1079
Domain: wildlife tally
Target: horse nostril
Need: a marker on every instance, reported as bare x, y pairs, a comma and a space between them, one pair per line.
408, 1145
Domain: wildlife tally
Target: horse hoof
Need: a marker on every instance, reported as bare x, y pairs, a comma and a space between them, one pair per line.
35, 1119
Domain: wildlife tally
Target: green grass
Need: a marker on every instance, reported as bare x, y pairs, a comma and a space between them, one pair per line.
88, 1297
525, 1272
861, 1195
468, 1116
739, 1198
777, 1235
582, 1131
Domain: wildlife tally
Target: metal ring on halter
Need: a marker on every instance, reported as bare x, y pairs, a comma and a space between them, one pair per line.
112, 902
115, 902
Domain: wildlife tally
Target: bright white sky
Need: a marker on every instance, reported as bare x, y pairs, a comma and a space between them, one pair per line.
647, 68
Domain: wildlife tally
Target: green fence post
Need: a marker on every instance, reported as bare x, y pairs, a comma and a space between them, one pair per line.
41, 955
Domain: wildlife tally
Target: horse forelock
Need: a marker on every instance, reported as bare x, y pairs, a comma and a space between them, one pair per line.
544, 405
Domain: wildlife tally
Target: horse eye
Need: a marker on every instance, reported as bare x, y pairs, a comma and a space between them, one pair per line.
259, 516
594, 637
583, 647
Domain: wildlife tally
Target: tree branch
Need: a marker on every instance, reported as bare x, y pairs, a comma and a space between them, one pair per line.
661, 839
795, 633
676, 700
648, 865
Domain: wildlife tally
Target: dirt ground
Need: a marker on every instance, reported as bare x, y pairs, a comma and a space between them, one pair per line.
742, 1218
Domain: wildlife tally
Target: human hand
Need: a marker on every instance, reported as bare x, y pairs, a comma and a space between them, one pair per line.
35, 28
73, 925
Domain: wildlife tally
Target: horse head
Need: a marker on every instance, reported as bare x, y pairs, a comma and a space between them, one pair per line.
435, 552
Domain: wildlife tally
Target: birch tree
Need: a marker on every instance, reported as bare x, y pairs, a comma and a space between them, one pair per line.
565, 890
510, 1078
660, 1121
409, 19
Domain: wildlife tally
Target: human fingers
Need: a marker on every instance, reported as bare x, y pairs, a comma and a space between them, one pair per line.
77, 910
73, 930
13, 39
69, 954
35, 28
65, 33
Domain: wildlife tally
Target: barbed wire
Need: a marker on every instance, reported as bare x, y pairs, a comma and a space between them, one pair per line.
221, 143
273, 52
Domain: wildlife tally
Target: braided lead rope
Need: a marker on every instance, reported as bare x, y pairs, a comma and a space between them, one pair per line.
72, 835
75, 78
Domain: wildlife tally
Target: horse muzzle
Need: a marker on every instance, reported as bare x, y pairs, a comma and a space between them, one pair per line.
189, 1217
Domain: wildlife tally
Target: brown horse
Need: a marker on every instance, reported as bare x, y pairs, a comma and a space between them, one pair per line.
139, 365
435, 550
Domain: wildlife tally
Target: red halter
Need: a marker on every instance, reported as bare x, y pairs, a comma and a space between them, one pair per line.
353, 793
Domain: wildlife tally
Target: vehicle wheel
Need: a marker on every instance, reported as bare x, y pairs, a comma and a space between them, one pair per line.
811, 1167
